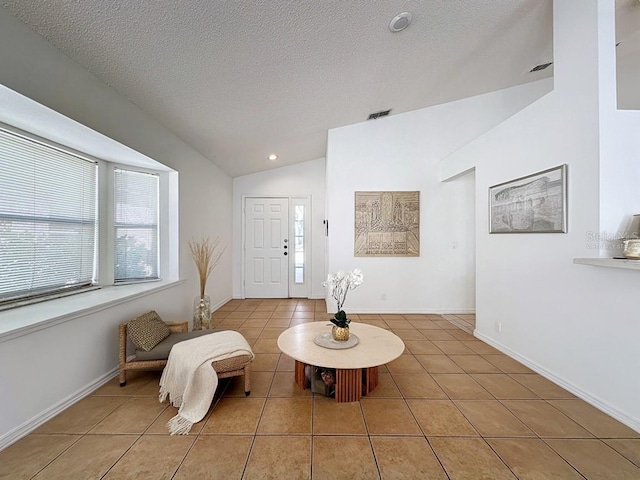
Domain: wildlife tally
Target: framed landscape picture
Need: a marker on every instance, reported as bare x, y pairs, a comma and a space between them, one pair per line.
536, 203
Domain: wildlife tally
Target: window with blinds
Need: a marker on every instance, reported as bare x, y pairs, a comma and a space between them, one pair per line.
136, 226
48, 220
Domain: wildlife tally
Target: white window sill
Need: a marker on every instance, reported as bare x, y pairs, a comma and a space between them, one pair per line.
31, 318
609, 262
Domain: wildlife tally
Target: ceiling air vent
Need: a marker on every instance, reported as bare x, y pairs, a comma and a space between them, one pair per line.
542, 66
382, 113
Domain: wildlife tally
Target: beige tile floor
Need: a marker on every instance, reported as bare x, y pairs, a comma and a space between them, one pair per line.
450, 407
465, 321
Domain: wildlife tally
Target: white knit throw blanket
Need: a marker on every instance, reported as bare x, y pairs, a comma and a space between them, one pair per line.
190, 381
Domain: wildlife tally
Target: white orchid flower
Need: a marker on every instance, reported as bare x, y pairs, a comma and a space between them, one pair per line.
340, 284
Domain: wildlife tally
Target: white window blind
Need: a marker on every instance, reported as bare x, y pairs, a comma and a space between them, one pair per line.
48, 219
136, 226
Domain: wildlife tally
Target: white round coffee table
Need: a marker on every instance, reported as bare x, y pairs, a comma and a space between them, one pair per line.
356, 367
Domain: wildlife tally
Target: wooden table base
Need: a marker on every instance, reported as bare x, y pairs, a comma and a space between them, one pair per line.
351, 384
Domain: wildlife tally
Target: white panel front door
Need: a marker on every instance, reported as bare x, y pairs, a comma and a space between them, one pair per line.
266, 248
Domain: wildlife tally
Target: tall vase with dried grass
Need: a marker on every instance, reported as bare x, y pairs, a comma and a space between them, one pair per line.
206, 254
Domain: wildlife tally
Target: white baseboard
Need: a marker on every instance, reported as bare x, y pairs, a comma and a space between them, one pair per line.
588, 397
415, 311
33, 423
221, 303
311, 297
458, 311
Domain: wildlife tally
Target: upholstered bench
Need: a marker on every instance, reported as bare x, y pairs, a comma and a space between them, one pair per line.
153, 340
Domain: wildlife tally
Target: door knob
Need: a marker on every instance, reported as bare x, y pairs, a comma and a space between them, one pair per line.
285, 253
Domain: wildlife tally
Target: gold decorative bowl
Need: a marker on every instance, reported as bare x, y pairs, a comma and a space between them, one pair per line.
632, 249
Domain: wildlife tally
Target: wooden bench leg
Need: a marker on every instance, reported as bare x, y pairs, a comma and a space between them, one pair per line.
247, 380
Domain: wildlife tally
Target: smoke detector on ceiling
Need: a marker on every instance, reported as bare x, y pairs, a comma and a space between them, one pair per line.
400, 22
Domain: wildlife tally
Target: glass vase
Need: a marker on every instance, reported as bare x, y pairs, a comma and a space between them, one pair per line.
201, 312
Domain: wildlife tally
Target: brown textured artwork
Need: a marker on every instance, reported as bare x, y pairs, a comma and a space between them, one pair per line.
387, 224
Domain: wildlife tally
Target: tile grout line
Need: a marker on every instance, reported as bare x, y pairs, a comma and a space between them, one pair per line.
246, 462
312, 447
562, 457
368, 433
264, 405
61, 453
404, 398
456, 406
547, 399
544, 439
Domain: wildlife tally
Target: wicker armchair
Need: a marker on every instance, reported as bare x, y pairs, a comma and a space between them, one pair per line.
229, 367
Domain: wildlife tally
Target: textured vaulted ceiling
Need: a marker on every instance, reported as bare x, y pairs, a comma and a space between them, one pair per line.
238, 80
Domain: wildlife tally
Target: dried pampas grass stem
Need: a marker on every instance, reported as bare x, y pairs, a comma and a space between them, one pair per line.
206, 253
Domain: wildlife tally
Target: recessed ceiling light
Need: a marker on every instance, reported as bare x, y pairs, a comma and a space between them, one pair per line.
273, 156
400, 22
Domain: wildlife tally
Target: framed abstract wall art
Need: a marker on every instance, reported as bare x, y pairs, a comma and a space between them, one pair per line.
536, 203
387, 224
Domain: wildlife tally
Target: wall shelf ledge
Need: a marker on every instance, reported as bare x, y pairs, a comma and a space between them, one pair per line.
609, 262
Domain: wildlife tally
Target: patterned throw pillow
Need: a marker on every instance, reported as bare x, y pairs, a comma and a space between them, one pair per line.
147, 331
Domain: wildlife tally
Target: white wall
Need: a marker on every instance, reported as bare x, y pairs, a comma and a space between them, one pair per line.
619, 142
43, 370
48, 370
627, 34
302, 179
402, 152
575, 324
